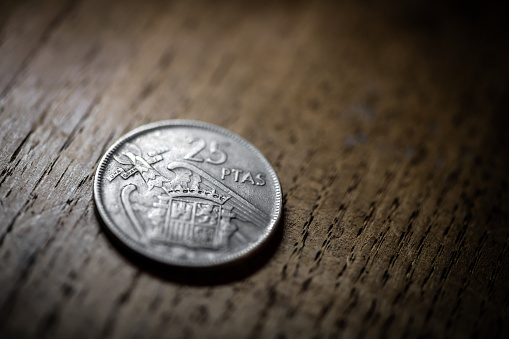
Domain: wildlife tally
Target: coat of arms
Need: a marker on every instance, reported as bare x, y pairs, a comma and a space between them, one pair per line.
185, 206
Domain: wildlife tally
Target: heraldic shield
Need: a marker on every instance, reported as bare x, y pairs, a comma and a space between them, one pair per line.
197, 223
192, 209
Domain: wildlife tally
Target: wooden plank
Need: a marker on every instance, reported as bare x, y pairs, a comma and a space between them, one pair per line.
386, 128
23, 33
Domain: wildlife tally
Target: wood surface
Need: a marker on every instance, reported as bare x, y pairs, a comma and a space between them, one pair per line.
385, 123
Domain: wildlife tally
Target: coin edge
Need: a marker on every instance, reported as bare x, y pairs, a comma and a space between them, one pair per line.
99, 176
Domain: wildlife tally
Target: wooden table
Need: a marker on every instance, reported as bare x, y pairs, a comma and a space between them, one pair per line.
386, 126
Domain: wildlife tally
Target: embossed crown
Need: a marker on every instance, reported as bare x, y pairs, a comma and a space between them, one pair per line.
198, 193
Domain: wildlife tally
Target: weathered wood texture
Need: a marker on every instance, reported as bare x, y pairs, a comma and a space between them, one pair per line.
386, 125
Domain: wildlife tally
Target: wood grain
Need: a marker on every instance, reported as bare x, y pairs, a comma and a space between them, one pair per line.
386, 126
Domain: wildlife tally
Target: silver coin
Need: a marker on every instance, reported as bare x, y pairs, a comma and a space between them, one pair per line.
187, 193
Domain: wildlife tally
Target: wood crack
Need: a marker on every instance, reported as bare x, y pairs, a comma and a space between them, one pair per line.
20, 146
75, 129
122, 299
28, 203
271, 301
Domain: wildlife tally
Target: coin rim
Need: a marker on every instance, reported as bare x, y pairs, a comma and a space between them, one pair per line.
141, 249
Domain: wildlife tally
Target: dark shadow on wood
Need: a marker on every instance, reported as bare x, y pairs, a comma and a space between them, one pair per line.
202, 276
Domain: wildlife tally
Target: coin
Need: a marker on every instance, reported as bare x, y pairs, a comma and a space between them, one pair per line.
187, 193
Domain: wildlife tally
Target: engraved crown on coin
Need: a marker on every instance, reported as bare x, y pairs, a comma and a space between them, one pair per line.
198, 193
